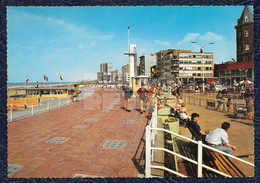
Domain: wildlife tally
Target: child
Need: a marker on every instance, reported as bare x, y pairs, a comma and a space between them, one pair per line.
228, 105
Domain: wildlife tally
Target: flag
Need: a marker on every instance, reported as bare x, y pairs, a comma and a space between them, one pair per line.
61, 77
26, 80
45, 78
153, 70
142, 70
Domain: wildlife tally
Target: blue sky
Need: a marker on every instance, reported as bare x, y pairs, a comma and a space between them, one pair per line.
73, 41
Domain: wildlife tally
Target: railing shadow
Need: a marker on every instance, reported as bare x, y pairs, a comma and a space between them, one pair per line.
139, 157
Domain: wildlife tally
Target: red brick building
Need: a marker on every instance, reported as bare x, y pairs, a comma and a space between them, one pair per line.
243, 68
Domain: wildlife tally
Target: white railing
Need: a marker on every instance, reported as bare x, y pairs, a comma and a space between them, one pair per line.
153, 124
149, 148
43, 107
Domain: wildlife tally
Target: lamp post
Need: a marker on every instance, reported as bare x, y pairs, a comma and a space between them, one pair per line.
201, 50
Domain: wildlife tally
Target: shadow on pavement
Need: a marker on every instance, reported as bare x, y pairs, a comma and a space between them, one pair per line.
249, 124
139, 158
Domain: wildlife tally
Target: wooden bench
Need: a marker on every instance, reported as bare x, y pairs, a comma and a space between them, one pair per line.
216, 160
211, 103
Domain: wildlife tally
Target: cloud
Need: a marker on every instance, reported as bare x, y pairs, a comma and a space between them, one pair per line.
188, 37
84, 31
166, 43
207, 37
93, 44
80, 46
210, 36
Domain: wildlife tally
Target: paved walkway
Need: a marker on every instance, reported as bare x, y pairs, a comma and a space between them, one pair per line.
86, 127
96, 137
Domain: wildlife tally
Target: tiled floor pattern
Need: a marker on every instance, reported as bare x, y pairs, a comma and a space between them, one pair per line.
70, 141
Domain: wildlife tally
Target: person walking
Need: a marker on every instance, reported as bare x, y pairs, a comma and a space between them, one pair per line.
143, 99
229, 104
150, 95
128, 94
249, 106
218, 139
220, 100
75, 93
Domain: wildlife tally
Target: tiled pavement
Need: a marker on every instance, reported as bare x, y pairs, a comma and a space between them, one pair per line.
71, 140
85, 133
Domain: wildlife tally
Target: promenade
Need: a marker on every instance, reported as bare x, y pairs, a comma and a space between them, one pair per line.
96, 137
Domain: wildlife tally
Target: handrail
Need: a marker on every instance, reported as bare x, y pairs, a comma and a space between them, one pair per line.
199, 162
204, 145
226, 154
190, 160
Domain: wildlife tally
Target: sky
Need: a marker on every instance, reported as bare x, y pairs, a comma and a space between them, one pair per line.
73, 41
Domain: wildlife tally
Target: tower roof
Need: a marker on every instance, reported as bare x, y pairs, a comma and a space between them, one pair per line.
246, 17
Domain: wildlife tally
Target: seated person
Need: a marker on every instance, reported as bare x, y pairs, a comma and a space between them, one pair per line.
194, 125
183, 112
178, 105
218, 139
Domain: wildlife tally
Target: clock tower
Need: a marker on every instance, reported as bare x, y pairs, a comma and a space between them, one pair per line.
244, 36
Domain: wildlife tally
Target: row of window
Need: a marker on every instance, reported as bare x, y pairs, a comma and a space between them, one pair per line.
196, 68
200, 74
246, 47
194, 62
247, 33
195, 56
45, 92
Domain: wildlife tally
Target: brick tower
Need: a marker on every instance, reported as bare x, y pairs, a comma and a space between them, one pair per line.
244, 36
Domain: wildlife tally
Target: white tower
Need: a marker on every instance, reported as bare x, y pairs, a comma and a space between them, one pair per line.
132, 61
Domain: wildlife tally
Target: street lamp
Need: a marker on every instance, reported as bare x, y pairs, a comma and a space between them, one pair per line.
201, 50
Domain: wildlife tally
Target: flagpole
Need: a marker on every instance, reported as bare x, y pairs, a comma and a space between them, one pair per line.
128, 37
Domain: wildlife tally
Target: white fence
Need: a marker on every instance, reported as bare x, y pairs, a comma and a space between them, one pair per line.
150, 138
44, 107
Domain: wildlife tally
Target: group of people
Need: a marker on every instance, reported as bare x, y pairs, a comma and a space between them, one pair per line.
217, 138
147, 97
248, 99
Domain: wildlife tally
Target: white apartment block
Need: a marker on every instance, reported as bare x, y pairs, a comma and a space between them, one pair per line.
195, 64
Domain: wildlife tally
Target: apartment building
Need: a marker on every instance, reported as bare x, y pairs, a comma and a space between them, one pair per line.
146, 62
104, 75
126, 74
195, 65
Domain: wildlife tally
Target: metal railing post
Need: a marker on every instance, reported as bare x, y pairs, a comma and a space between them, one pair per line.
68, 100
59, 102
148, 151
32, 110
48, 106
199, 158
11, 114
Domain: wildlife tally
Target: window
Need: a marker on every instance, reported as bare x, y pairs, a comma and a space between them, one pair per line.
239, 34
194, 56
246, 19
194, 74
238, 48
246, 46
199, 74
199, 68
246, 33
245, 58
